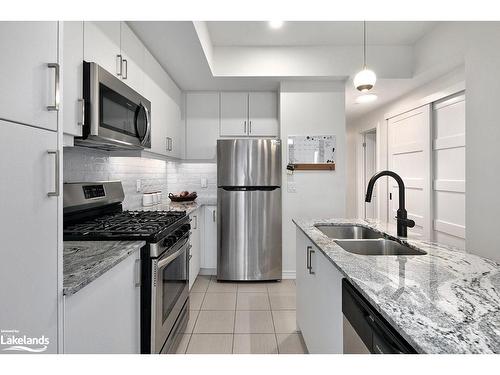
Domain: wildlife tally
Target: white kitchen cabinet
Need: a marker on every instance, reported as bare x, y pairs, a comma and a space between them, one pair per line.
73, 77
263, 114
209, 252
133, 54
104, 316
29, 222
319, 299
233, 114
202, 125
195, 252
102, 44
28, 89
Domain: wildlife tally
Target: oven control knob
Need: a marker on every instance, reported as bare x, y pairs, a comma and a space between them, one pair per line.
186, 227
169, 241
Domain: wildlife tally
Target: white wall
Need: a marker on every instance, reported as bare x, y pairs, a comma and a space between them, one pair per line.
311, 108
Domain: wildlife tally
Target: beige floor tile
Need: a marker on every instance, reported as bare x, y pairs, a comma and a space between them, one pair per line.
193, 315
291, 343
183, 344
195, 300
219, 301
252, 287
255, 344
282, 301
221, 287
283, 286
253, 322
215, 322
252, 301
285, 321
210, 344
201, 284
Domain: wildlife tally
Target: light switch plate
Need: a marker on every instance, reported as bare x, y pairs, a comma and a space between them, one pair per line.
204, 182
291, 187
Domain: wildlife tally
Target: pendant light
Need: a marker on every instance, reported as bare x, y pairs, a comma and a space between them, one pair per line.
366, 78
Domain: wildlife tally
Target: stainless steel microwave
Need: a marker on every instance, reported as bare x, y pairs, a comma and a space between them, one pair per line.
115, 116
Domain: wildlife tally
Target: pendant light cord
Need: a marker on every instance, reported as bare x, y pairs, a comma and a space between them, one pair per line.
364, 44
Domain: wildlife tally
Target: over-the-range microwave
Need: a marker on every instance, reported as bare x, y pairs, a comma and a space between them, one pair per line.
115, 116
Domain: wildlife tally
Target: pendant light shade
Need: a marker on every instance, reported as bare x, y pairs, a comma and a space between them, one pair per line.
366, 78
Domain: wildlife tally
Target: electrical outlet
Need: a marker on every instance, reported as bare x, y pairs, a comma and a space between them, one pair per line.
204, 182
138, 186
291, 187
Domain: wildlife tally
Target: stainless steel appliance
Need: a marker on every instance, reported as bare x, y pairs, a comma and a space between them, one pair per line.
114, 115
93, 212
365, 330
249, 209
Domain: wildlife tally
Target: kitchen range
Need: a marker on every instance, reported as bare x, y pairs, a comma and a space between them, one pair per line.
93, 212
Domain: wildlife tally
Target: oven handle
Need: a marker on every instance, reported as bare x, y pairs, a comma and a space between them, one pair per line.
166, 261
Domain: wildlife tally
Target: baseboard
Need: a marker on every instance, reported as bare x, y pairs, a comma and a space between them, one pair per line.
288, 275
208, 271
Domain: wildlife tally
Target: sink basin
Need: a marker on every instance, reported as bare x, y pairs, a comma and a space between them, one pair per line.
353, 232
378, 247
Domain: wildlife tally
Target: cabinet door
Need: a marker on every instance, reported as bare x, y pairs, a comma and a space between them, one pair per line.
27, 84
73, 77
263, 114
210, 238
132, 51
202, 125
194, 262
104, 316
233, 114
102, 44
29, 226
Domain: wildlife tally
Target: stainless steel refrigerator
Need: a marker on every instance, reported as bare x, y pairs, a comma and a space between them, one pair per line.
249, 209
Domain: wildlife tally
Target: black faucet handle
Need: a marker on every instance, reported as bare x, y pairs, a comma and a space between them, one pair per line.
407, 222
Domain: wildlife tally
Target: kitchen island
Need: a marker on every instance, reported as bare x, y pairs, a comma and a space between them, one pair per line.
446, 301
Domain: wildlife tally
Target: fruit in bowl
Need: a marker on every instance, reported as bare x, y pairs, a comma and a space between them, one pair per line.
183, 196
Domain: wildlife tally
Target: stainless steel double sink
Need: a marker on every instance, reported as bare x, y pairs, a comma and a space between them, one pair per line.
361, 240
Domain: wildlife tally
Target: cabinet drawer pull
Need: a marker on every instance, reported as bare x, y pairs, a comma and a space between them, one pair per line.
82, 104
249, 127
125, 69
310, 251
55, 193
137, 281
244, 127
55, 106
119, 65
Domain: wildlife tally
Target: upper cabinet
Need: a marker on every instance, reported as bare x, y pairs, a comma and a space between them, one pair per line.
251, 114
29, 78
202, 125
132, 55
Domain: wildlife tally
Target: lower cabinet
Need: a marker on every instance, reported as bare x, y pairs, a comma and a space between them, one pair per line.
195, 252
319, 299
209, 253
104, 316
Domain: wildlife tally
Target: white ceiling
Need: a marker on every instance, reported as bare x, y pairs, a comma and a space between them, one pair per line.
316, 33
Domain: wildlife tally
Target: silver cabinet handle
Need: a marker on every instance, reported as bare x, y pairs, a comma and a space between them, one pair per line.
213, 215
82, 104
249, 127
137, 282
119, 65
169, 144
125, 70
245, 127
308, 260
55, 193
195, 226
55, 106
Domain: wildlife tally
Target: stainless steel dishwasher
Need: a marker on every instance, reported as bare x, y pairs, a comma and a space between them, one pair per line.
365, 330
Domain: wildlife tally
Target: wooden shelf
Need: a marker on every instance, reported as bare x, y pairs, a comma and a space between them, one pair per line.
313, 167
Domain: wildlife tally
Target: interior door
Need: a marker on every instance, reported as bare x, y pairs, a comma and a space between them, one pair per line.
370, 163
27, 84
409, 156
263, 114
233, 114
28, 254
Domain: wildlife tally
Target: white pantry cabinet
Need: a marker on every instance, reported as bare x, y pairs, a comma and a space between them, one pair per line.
29, 92
195, 252
202, 125
319, 299
104, 316
29, 231
73, 56
209, 253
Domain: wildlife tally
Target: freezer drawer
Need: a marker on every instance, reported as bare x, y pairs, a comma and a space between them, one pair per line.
249, 234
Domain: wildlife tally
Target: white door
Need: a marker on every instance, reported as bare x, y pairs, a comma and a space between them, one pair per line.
263, 114
409, 156
102, 45
233, 114
73, 77
370, 164
132, 51
29, 225
210, 239
27, 83
202, 125
449, 171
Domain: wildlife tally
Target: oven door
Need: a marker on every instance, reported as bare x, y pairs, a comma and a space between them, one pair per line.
170, 291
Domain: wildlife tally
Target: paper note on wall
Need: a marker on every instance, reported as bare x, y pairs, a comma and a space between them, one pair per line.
311, 149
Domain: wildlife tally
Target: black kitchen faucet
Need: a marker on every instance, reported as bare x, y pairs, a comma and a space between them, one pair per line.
402, 216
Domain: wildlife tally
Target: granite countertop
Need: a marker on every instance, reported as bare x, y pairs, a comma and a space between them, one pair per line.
447, 301
189, 207
85, 261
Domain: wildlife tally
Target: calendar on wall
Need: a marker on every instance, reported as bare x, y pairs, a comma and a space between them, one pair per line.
311, 149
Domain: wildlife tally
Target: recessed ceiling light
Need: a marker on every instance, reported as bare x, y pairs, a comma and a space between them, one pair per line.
367, 98
275, 24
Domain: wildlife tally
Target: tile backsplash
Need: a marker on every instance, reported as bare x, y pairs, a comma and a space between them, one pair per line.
84, 164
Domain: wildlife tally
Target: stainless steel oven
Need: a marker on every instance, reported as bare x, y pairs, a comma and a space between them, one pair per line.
114, 115
170, 295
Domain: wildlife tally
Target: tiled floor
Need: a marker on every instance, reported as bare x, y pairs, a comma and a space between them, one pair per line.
242, 318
